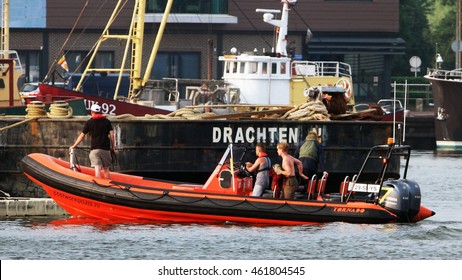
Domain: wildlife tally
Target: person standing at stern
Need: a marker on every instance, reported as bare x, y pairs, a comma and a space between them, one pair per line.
102, 141
310, 153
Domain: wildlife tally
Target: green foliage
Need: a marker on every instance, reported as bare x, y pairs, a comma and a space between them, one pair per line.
413, 27
442, 21
428, 27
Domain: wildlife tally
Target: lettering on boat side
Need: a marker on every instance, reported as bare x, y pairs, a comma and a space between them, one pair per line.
105, 107
255, 134
349, 210
75, 199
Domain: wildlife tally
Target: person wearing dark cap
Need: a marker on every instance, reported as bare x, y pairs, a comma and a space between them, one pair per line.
102, 141
309, 152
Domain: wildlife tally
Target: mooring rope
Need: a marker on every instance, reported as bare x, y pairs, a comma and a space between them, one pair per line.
60, 109
18, 123
36, 109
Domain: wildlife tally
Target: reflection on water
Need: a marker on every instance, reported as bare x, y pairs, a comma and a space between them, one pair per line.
436, 238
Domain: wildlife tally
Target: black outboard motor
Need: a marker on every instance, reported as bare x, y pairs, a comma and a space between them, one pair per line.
401, 197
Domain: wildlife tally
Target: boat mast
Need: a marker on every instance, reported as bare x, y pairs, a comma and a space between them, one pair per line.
5, 35
133, 47
105, 36
281, 24
140, 84
134, 43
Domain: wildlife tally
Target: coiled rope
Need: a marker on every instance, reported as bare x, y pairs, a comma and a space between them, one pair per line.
35, 109
60, 109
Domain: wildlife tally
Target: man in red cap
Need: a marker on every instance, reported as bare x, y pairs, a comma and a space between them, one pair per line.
102, 141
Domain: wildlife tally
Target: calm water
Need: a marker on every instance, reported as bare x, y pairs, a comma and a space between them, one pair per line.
438, 238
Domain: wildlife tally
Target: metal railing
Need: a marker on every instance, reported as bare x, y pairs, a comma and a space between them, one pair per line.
455, 74
415, 97
321, 68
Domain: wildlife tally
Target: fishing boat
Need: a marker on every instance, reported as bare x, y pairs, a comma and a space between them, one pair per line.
447, 91
225, 196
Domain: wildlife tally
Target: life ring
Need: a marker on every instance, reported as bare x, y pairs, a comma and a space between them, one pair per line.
345, 83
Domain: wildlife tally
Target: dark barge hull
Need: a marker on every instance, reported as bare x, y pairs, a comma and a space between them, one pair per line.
447, 94
184, 150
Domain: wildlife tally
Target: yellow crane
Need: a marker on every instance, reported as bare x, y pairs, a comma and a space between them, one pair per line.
133, 46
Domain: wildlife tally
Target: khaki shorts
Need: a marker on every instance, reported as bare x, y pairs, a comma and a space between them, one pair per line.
289, 186
100, 157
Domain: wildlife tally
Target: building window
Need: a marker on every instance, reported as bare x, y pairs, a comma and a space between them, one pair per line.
189, 6
185, 65
30, 61
77, 61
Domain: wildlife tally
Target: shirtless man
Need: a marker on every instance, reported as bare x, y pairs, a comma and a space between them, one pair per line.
290, 183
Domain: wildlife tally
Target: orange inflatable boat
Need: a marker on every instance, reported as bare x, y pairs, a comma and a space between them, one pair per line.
225, 197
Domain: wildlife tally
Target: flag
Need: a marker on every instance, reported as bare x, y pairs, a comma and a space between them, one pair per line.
62, 61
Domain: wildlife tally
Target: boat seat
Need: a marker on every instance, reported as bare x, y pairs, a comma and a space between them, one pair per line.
268, 193
321, 187
344, 188
343, 193
300, 195
311, 187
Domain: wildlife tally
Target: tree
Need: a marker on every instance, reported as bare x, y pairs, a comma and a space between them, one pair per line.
441, 17
413, 29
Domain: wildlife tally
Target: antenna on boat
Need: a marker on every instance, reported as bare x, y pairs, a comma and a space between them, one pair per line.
281, 24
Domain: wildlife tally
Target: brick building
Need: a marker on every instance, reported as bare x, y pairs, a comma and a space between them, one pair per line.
362, 33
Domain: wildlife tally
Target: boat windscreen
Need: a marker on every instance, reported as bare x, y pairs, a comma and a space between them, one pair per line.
239, 153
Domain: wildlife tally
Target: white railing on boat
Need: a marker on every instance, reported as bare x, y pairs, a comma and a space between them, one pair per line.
321, 68
455, 74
